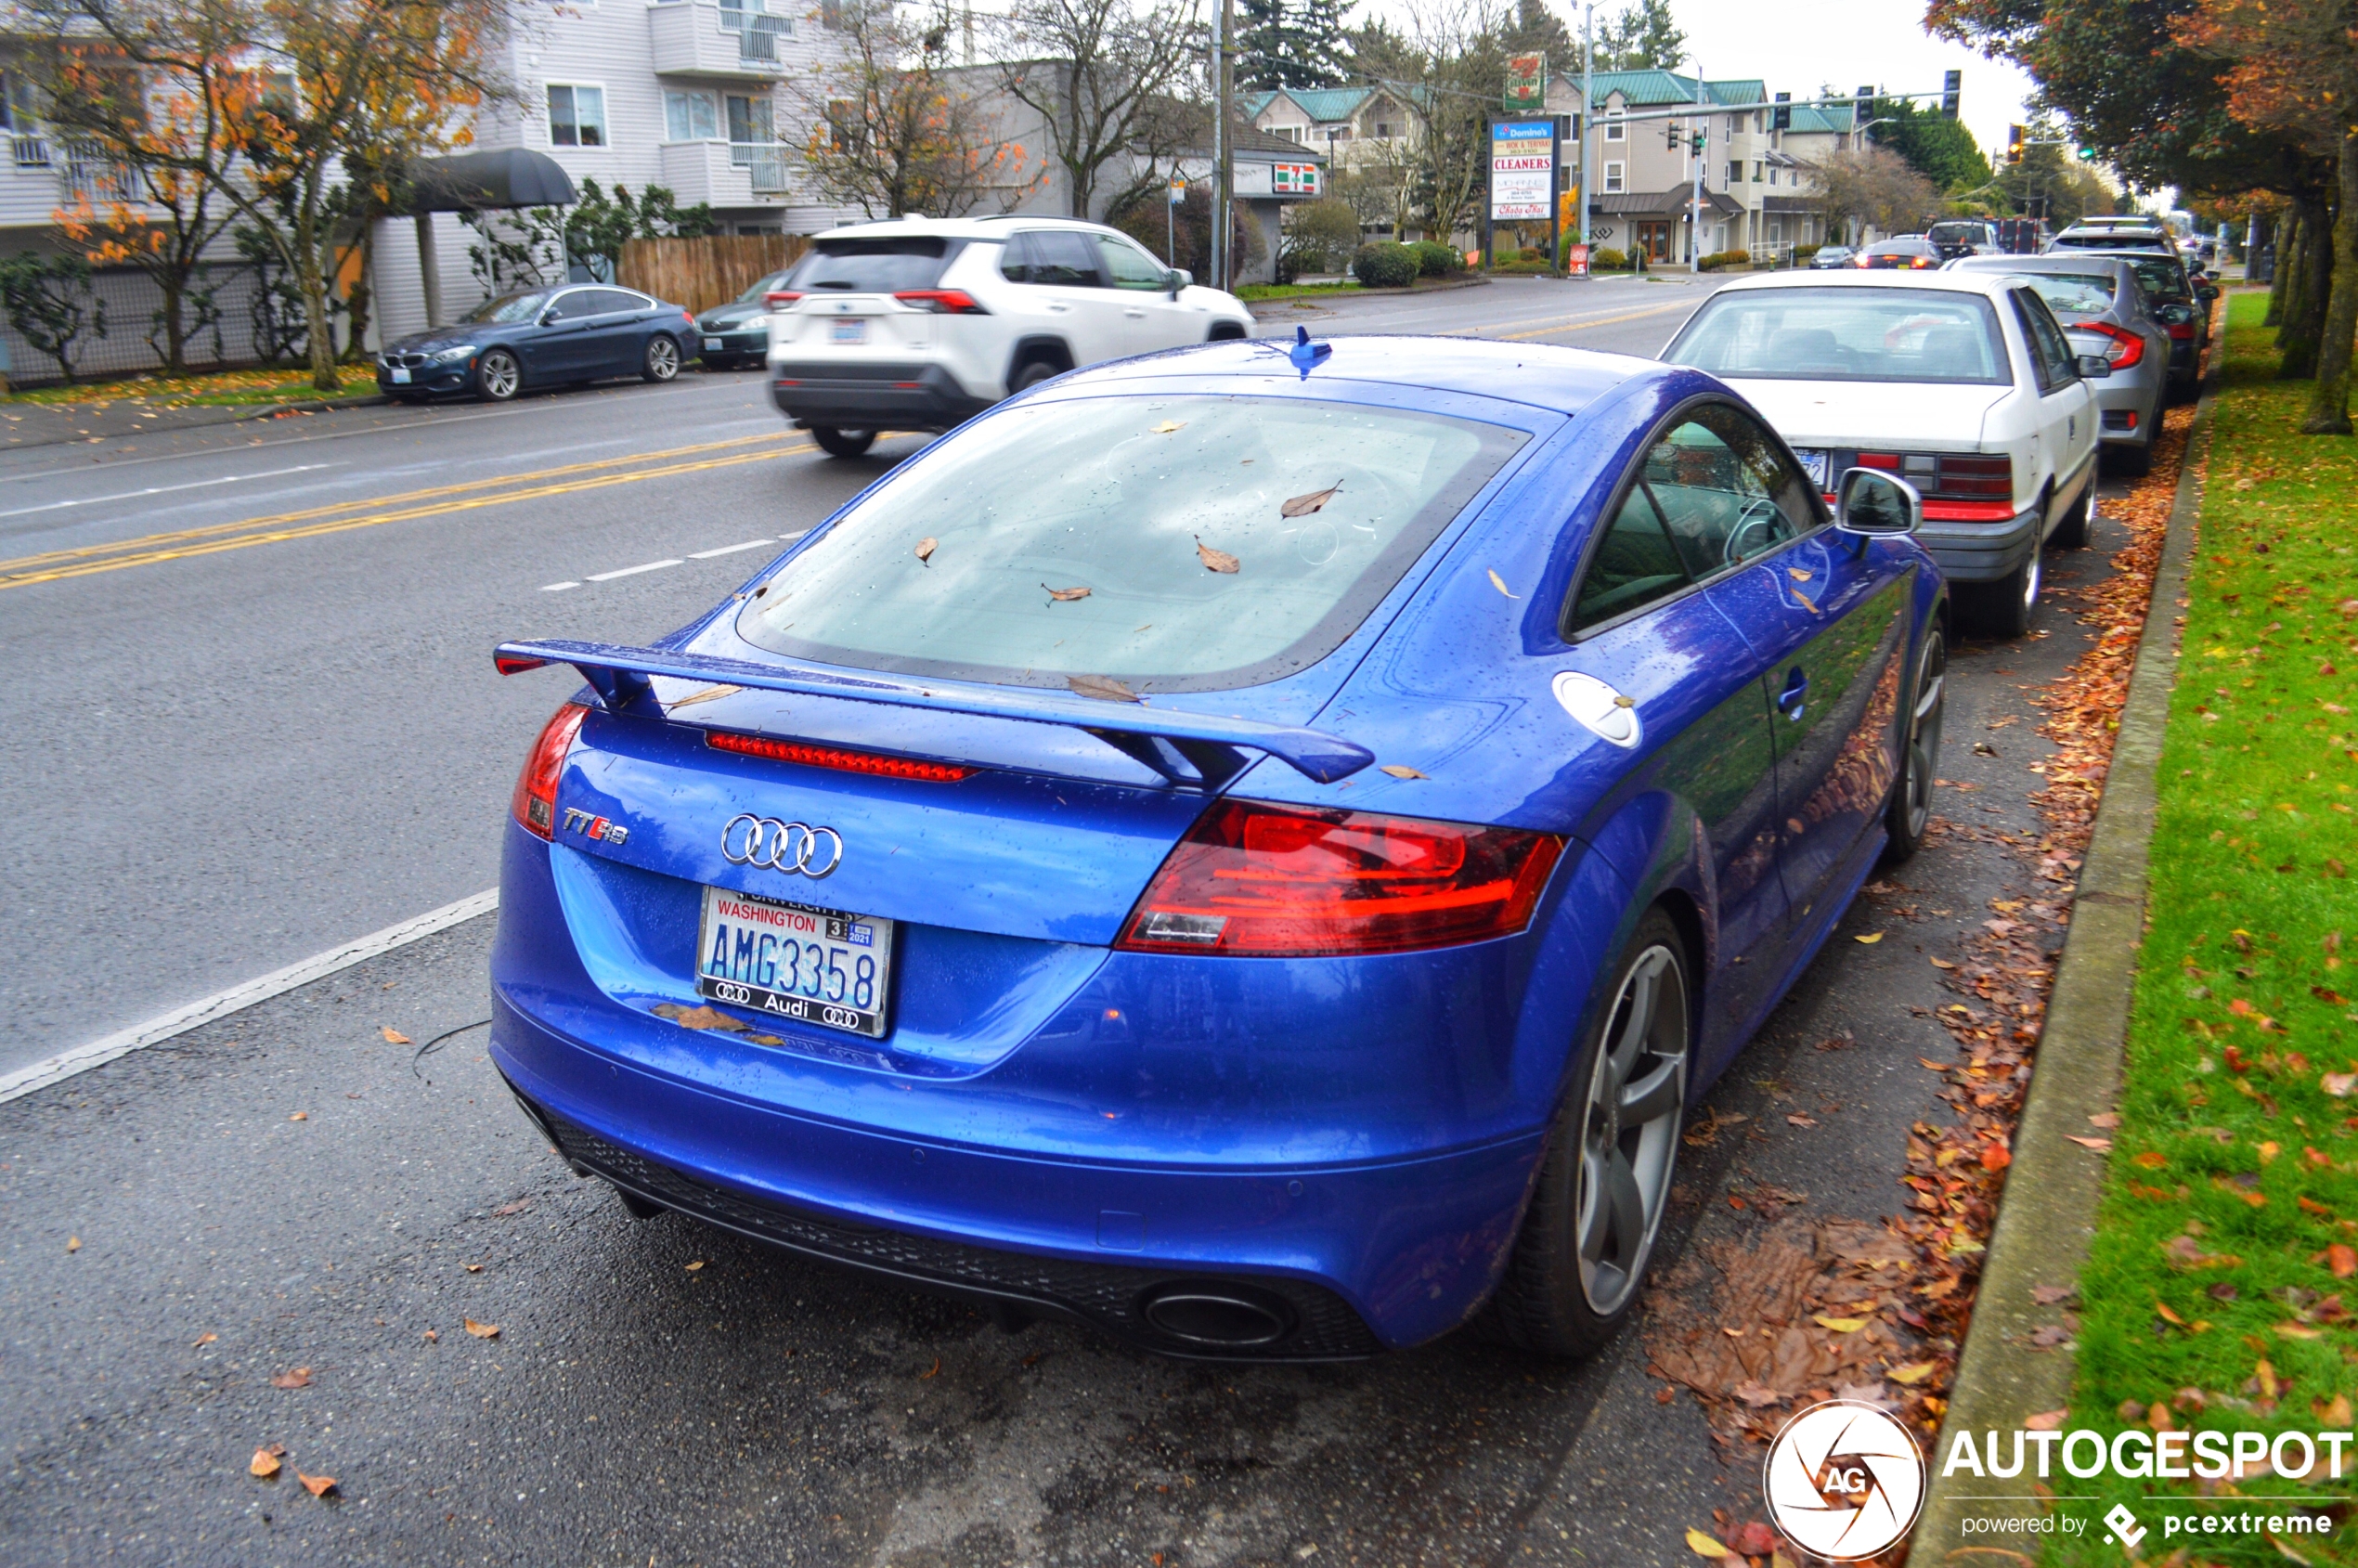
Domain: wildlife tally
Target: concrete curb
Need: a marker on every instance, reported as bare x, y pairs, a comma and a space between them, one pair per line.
193, 416
2054, 1187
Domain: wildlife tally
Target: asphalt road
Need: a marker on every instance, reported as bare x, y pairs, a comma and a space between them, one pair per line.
229, 760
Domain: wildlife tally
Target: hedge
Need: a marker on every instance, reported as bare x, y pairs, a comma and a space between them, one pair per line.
1384, 265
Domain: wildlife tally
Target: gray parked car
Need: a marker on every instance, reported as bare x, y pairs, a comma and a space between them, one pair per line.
1831, 257
2104, 310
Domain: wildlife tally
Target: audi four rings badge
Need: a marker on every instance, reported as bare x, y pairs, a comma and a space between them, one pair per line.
793, 847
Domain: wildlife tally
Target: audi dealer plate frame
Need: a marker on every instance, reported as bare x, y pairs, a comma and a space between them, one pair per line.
748, 943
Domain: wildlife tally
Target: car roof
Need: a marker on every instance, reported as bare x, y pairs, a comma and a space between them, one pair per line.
992, 225
1951, 281
2054, 260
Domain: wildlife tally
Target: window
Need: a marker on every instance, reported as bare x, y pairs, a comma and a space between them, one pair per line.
1128, 266
1383, 130
1845, 334
1614, 129
1713, 492
749, 120
1735, 125
1772, 174
870, 267
2051, 356
689, 117
734, 12
1613, 178
2073, 294
1057, 256
1755, 170
1735, 171
617, 302
576, 116
1111, 494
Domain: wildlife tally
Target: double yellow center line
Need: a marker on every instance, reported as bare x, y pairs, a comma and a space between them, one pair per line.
369, 513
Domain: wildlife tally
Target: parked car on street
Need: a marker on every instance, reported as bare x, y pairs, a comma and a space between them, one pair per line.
2118, 232
1831, 257
737, 334
1961, 383
1903, 251
1965, 237
2104, 310
1253, 850
919, 324
2021, 237
536, 338
2181, 305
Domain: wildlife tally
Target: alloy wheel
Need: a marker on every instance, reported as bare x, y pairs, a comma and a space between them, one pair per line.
1924, 733
662, 358
498, 376
1630, 1129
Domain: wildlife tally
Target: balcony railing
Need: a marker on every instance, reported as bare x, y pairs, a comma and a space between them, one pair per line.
32, 151
757, 41
766, 163
91, 176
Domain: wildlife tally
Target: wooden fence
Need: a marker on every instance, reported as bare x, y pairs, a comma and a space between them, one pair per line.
709, 271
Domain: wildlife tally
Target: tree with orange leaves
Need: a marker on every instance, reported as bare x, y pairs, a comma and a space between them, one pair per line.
292, 100
2293, 68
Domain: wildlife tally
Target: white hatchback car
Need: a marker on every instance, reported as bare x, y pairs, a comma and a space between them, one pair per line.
1963, 383
921, 323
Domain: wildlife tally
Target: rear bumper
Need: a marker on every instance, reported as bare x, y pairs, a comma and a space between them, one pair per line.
1980, 552
872, 396
2127, 408
734, 345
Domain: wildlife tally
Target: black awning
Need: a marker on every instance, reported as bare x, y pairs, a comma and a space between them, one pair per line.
507, 176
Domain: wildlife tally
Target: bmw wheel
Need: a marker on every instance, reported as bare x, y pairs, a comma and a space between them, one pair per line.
1910, 809
498, 376
662, 358
1604, 1177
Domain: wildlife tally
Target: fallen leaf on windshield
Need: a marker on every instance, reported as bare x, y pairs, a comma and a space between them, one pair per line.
926, 549
1400, 772
1303, 506
264, 1464
1500, 583
1797, 575
1167, 426
1703, 1545
1105, 687
696, 1017
1064, 595
392, 1036
318, 1485
1806, 602
299, 1378
481, 1330
710, 693
1215, 560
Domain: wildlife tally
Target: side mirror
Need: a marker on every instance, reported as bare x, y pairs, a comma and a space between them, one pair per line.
2177, 315
2094, 367
1869, 503
550, 318
2207, 292
1177, 278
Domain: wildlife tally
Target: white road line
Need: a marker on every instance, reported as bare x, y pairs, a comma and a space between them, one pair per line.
97, 1053
167, 489
557, 587
730, 548
631, 571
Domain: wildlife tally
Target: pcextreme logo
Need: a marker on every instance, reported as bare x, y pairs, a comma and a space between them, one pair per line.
1843, 1480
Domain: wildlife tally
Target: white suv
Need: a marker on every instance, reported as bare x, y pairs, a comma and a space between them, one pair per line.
919, 323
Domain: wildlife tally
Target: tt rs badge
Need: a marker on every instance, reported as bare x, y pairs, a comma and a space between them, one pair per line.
1598, 708
605, 830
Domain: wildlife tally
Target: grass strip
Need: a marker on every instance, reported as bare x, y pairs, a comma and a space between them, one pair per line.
2214, 1293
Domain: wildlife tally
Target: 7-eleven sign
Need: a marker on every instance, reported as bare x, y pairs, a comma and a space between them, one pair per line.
1295, 179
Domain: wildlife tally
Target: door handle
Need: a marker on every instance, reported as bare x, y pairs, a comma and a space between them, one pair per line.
1135, 315
1060, 309
1791, 700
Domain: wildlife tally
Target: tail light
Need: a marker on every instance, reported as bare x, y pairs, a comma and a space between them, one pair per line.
2181, 332
777, 297
942, 301
1280, 881
1977, 478
535, 805
882, 764
2123, 347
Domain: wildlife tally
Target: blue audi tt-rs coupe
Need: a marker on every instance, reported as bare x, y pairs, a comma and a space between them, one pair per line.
1253, 848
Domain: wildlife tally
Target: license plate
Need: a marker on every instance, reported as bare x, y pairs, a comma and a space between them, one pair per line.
1813, 464
712, 346
794, 961
849, 331
400, 377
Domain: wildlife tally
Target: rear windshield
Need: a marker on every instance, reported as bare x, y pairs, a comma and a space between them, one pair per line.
2162, 278
1175, 544
754, 293
1960, 233
871, 267
1846, 335
2073, 294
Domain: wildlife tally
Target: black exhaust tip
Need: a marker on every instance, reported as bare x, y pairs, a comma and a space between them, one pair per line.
1219, 1314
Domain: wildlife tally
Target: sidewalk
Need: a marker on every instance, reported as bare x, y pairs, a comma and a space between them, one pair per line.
49, 425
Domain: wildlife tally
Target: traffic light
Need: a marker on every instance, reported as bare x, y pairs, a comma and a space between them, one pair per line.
1950, 85
1862, 104
1782, 116
2014, 144
2087, 153
1700, 138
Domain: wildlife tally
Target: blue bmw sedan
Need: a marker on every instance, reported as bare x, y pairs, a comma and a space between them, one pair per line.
1252, 849
539, 338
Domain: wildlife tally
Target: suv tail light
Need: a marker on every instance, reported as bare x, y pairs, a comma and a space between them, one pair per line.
535, 805
942, 301
1283, 881
777, 297
2123, 348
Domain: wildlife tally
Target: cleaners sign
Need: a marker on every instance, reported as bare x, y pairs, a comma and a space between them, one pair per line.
1523, 170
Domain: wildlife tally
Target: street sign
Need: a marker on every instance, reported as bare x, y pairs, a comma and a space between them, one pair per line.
1527, 84
1295, 179
1576, 261
1523, 170
1178, 190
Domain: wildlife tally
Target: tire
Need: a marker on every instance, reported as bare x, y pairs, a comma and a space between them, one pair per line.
1580, 1257
842, 443
662, 360
1031, 375
1226, 331
498, 376
2074, 531
2003, 607
1910, 809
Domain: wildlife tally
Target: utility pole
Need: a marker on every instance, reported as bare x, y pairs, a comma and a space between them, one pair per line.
1587, 111
1695, 143
1219, 132
1223, 171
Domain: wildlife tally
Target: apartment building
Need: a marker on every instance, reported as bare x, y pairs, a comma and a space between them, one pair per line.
1349, 124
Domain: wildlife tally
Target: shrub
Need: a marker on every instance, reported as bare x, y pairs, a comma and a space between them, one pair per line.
1384, 265
1437, 260
1803, 253
1606, 259
1321, 233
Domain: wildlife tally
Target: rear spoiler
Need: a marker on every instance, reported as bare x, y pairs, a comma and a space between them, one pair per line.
1187, 748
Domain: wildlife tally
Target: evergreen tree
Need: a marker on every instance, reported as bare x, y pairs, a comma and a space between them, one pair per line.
1291, 44
1537, 31
1641, 36
1936, 147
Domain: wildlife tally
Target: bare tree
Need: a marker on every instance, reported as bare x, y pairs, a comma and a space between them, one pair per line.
1447, 71
1873, 185
1100, 74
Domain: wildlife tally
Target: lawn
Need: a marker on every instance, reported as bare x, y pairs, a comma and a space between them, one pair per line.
277, 383
1252, 293
2215, 1295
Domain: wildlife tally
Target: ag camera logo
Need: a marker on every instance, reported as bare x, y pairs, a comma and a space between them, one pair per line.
1843, 1480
